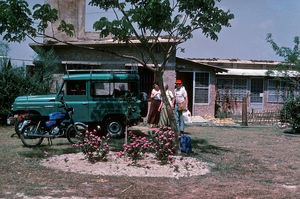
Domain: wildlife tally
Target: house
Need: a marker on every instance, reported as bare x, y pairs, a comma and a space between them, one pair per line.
244, 78
209, 82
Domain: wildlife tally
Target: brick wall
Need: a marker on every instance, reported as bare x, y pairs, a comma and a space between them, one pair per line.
201, 110
170, 77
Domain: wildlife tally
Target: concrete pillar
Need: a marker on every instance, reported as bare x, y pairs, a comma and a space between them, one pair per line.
72, 12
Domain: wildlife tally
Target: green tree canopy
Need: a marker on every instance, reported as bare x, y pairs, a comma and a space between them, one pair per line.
291, 58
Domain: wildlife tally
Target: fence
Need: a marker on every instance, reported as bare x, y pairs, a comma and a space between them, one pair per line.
261, 118
264, 117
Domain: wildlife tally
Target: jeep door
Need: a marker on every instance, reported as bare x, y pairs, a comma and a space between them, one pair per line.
75, 95
104, 101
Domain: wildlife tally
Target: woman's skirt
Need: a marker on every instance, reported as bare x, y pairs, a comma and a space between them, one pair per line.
164, 119
154, 114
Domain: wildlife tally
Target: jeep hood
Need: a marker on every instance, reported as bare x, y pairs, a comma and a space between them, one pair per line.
37, 103
34, 98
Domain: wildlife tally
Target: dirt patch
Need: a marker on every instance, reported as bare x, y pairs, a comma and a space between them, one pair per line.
115, 166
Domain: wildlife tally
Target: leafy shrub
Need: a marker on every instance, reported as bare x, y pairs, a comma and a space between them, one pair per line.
92, 146
138, 146
291, 112
39, 80
164, 144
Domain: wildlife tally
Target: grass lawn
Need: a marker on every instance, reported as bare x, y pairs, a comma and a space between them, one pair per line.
248, 163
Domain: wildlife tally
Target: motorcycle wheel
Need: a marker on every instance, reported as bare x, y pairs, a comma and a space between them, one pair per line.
29, 141
74, 131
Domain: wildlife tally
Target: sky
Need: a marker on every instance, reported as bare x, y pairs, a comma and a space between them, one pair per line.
244, 40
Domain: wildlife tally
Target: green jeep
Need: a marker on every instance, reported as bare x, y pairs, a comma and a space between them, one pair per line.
106, 100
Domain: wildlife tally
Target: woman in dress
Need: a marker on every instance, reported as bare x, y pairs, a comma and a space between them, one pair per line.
153, 117
164, 119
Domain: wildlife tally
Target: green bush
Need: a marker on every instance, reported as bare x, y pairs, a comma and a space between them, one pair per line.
94, 148
16, 81
291, 112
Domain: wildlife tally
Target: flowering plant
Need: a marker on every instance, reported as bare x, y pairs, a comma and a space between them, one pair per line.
164, 144
92, 146
138, 146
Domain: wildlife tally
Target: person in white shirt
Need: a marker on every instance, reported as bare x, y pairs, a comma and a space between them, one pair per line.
164, 119
180, 103
154, 113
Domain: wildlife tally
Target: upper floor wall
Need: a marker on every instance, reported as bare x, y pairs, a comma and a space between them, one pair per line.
72, 12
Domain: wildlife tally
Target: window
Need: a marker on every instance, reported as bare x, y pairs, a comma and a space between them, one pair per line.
236, 88
202, 87
279, 90
76, 87
113, 89
101, 89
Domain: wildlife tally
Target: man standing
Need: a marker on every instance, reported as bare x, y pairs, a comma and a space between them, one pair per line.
179, 104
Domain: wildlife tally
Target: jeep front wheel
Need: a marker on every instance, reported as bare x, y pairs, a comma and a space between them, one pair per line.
114, 127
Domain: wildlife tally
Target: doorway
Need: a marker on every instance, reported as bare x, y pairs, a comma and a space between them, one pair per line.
257, 94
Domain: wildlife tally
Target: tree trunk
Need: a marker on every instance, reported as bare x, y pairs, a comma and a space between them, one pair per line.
170, 112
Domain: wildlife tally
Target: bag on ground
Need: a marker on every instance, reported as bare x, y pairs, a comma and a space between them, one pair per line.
187, 117
185, 144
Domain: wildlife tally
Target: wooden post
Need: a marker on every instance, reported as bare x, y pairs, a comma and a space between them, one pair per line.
244, 112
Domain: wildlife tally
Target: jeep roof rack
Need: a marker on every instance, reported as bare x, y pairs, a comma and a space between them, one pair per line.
89, 68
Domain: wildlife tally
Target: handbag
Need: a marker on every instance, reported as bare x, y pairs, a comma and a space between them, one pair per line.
181, 106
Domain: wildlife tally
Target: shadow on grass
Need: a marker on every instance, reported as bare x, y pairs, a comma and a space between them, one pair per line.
292, 132
203, 146
39, 152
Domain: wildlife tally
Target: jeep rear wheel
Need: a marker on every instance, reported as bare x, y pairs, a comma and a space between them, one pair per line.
114, 127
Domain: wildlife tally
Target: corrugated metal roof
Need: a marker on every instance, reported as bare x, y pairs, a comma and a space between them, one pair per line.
199, 64
236, 61
256, 73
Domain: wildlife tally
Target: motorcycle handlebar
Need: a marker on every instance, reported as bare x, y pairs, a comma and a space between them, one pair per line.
65, 105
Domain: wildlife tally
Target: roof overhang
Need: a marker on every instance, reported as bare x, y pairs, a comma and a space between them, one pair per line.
183, 64
257, 73
102, 42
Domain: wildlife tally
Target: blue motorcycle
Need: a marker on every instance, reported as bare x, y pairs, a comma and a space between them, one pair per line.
57, 124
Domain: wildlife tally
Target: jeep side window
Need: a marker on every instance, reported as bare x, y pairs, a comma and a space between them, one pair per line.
76, 87
101, 89
120, 89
